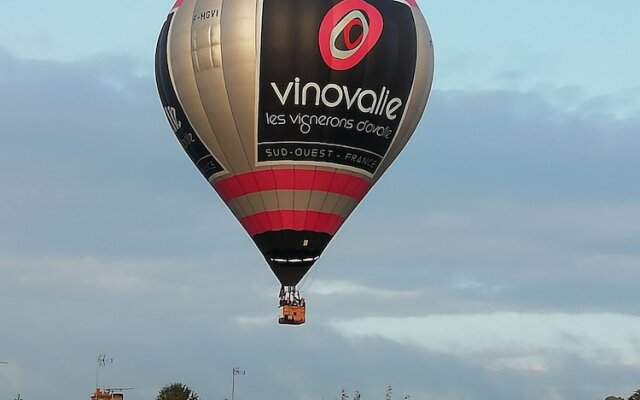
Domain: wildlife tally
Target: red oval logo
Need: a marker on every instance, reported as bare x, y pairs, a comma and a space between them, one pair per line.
349, 30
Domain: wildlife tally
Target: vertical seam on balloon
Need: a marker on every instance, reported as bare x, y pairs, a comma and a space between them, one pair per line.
326, 195
261, 194
311, 194
259, 10
226, 163
319, 193
248, 204
324, 130
226, 89
172, 81
332, 74
298, 190
258, 44
193, 38
343, 200
273, 175
295, 191
282, 206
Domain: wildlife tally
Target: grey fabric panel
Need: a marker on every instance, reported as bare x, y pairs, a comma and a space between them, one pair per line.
269, 200
209, 64
317, 200
238, 33
348, 209
341, 205
301, 199
242, 206
238, 30
285, 199
185, 82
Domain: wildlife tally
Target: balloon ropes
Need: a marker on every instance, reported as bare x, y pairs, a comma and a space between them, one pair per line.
292, 110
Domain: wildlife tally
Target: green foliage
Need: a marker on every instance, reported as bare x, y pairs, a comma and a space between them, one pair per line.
634, 396
344, 395
177, 391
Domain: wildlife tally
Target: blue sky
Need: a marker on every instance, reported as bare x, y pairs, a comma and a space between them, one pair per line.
507, 266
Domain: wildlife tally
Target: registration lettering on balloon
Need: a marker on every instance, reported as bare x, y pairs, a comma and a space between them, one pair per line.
172, 117
205, 15
186, 138
347, 93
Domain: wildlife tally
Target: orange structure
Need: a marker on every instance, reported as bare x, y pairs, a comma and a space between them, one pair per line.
292, 315
107, 394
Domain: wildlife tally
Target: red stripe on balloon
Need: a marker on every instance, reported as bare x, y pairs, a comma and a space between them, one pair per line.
292, 179
178, 4
297, 220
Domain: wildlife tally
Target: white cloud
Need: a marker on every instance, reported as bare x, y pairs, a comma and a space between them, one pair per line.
467, 284
515, 341
86, 272
254, 321
515, 206
345, 288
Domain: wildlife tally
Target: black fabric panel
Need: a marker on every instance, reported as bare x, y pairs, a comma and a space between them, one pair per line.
334, 129
287, 245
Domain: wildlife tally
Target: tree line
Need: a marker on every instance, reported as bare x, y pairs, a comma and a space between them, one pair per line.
634, 396
179, 391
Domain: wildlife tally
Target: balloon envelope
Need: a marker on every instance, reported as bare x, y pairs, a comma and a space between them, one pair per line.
293, 109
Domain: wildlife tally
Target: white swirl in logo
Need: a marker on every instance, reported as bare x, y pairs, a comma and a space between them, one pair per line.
339, 49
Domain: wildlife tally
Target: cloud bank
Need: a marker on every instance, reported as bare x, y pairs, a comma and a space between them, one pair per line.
498, 258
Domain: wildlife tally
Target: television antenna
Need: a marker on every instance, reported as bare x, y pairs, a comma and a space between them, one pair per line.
102, 361
236, 371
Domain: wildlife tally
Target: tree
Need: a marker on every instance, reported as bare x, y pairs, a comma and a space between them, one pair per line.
344, 395
387, 396
634, 396
177, 391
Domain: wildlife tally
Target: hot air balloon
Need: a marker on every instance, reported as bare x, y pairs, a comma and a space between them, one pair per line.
292, 110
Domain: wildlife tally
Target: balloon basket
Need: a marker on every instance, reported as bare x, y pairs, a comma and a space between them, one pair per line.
292, 307
292, 315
